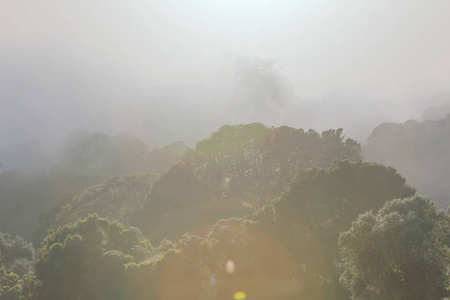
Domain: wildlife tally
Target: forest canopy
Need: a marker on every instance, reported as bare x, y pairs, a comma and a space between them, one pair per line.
234, 172
250, 212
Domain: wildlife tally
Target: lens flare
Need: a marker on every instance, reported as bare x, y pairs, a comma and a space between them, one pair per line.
230, 267
240, 296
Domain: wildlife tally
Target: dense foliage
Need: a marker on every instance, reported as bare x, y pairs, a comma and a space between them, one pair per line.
87, 260
287, 250
251, 213
233, 173
322, 203
401, 252
85, 160
234, 257
17, 258
116, 199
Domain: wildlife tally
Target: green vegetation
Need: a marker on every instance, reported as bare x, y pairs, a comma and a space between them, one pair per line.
402, 252
233, 173
87, 260
250, 213
322, 203
116, 199
17, 259
16, 255
84, 161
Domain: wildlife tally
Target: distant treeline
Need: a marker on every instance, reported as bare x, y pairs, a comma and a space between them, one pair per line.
84, 160
420, 151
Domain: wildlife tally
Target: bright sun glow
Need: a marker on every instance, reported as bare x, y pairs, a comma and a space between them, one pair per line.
240, 296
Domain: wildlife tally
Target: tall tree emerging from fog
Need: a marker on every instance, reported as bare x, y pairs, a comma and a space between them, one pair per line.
402, 252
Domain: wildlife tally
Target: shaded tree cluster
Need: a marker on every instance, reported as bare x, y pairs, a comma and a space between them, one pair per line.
84, 161
87, 260
401, 252
233, 173
117, 199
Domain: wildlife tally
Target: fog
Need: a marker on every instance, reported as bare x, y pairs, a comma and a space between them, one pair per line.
178, 70
148, 145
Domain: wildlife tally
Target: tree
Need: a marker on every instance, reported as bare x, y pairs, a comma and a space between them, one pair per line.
17, 258
9, 288
319, 205
16, 255
233, 173
234, 257
402, 252
87, 260
115, 199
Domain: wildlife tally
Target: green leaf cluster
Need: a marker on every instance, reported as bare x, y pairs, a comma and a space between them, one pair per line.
401, 252
87, 260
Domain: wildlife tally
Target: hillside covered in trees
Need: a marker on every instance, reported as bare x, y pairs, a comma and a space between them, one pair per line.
419, 151
251, 212
224, 150
233, 173
83, 161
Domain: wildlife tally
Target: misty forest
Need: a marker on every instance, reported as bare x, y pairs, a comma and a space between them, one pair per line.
241, 150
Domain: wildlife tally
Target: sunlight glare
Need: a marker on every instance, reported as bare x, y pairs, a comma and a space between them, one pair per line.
230, 267
240, 296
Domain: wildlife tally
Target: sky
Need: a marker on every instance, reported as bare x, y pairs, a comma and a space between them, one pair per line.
178, 70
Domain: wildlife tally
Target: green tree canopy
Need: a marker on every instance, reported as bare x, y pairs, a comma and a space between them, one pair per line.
17, 258
115, 199
233, 173
401, 252
288, 249
320, 204
16, 255
87, 260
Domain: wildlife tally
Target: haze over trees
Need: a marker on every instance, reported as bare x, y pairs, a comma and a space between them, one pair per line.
224, 150
251, 212
117, 198
83, 161
234, 172
22, 197
419, 151
88, 159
